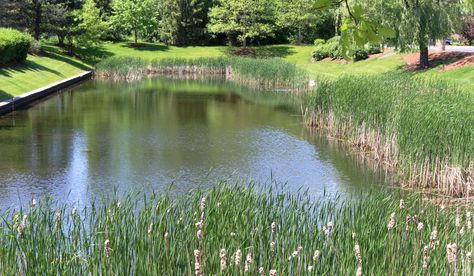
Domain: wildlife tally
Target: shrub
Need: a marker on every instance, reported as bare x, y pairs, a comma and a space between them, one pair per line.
374, 49
319, 41
361, 54
320, 55
14, 45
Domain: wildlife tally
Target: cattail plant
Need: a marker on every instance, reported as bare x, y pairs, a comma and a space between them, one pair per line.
223, 261
451, 252
391, 222
107, 249
402, 204
197, 263
238, 257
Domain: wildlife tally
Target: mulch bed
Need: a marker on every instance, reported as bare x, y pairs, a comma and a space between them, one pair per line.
446, 60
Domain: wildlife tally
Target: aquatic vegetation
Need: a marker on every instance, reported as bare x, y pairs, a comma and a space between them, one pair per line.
261, 73
233, 228
424, 130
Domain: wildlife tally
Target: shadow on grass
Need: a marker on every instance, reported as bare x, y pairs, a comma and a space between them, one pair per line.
280, 51
92, 56
146, 47
4, 96
28, 65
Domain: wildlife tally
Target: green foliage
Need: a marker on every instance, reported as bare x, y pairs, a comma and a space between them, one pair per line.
248, 19
158, 234
14, 45
319, 41
361, 54
415, 113
296, 16
135, 16
332, 49
91, 24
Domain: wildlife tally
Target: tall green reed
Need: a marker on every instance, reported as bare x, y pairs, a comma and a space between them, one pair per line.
279, 230
424, 129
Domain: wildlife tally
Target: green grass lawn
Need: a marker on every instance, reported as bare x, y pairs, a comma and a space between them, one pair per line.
37, 72
41, 71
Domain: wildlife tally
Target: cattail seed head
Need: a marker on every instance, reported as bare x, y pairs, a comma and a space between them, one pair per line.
261, 271
58, 221
310, 268
107, 248
166, 236
273, 272
391, 222
354, 236
197, 263
300, 250
238, 256
407, 223
272, 246
119, 204
199, 224
433, 238
274, 228
469, 257
248, 262
202, 204
150, 228
461, 232
223, 261
425, 256
74, 212
359, 270
451, 252
316, 255
402, 204
420, 226
33, 202
325, 231
199, 234
357, 254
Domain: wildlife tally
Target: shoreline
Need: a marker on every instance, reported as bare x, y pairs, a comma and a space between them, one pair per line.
26, 99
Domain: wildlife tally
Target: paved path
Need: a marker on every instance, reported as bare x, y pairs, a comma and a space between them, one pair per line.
464, 49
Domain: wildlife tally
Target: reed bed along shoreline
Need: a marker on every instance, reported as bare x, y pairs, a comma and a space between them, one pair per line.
255, 73
422, 130
237, 229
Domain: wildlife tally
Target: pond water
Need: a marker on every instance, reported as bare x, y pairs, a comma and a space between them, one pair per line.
100, 137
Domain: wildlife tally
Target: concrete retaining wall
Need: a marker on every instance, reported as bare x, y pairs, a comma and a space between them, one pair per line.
35, 95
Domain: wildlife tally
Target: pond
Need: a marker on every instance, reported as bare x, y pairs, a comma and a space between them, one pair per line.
102, 137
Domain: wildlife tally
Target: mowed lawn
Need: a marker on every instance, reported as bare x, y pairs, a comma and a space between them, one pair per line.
41, 71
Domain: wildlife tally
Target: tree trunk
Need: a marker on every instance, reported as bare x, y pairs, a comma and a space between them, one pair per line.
136, 37
244, 43
61, 40
37, 20
424, 57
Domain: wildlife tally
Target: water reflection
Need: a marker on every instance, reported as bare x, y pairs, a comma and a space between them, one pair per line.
150, 134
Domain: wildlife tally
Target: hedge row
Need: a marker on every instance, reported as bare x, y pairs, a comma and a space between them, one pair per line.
14, 45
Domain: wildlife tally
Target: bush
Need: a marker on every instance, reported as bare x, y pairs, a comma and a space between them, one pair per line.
14, 45
374, 49
320, 55
319, 41
361, 54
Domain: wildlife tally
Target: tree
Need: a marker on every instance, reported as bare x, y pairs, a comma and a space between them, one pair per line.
467, 29
91, 26
60, 19
411, 22
297, 15
170, 21
135, 16
248, 19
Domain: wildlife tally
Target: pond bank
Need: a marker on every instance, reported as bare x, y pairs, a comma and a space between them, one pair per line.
38, 94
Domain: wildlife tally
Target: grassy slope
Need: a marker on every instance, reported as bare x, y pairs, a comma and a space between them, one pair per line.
38, 72
41, 71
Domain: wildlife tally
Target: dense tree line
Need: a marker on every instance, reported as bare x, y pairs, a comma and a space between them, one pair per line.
406, 23
174, 22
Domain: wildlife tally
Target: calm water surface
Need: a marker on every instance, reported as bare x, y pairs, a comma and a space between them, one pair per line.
103, 136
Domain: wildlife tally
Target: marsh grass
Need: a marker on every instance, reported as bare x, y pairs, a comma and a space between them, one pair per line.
257, 73
279, 230
422, 129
